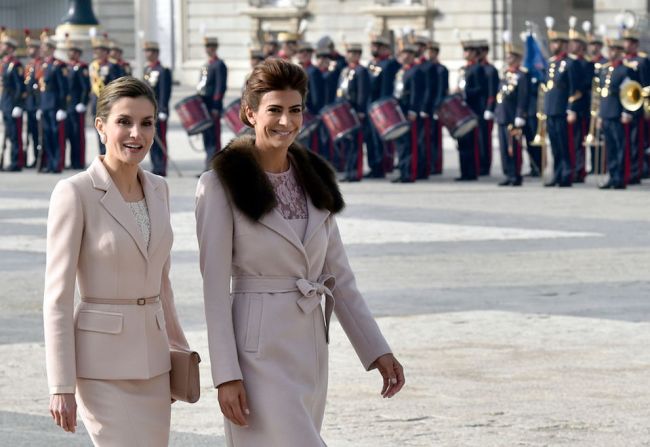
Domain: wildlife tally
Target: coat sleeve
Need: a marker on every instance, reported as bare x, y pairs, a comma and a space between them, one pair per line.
214, 229
350, 307
175, 332
65, 227
523, 96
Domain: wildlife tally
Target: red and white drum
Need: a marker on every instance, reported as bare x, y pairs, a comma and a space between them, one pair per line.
456, 116
232, 119
309, 124
193, 114
340, 120
388, 119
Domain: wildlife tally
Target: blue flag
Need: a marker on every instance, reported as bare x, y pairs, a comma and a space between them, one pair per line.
534, 59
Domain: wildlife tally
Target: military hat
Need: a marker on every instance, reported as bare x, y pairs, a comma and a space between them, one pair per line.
115, 46
469, 44
100, 42
255, 53
325, 42
323, 52
210, 41
482, 43
269, 38
514, 48
631, 34
595, 38
354, 47
421, 40
288, 37
434, 45
576, 35
29, 41
557, 35
46, 39
616, 43
150, 45
305, 46
409, 48
380, 40
7, 40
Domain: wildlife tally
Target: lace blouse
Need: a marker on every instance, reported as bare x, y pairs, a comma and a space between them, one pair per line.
141, 214
292, 201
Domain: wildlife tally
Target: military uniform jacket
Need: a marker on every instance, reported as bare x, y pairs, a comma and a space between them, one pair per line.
354, 86
316, 90
409, 85
53, 85
212, 84
640, 64
78, 84
491, 86
330, 83
159, 79
430, 73
612, 76
101, 74
473, 87
125, 67
442, 89
32, 92
562, 84
11, 74
382, 77
512, 97
583, 104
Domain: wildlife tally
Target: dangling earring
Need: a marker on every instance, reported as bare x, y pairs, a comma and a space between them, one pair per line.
102, 138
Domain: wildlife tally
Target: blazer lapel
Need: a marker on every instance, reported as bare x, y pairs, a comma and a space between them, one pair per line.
317, 218
113, 202
158, 213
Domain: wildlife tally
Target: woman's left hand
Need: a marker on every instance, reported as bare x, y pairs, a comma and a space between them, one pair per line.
392, 372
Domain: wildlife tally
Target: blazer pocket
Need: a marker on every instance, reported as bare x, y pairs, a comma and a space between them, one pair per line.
254, 322
160, 319
99, 321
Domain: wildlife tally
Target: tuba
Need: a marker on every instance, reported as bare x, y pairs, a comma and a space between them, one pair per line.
633, 96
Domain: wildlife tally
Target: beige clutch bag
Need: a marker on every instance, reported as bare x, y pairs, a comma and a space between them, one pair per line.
184, 376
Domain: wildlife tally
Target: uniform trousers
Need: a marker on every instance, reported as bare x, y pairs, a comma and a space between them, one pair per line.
558, 134
32, 133
511, 163
52, 141
352, 154
614, 133
637, 146
425, 152
13, 133
436, 147
577, 132
93, 108
159, 154
75, 131
408, 153
374, 149
468, 152
534, 152
485, 146
126, 413
212, 140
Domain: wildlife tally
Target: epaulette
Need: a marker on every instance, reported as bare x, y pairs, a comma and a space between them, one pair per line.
634, 65
523, 69
573, 56
606, 65
642, 54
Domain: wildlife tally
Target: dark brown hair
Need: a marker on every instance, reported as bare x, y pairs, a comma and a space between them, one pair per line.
124, 87
271, 75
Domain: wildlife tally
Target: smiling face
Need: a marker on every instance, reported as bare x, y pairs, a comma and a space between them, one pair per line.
277, 120
129, 129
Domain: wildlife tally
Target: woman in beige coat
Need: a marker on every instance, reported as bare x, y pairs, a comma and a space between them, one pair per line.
109, 230
265, 218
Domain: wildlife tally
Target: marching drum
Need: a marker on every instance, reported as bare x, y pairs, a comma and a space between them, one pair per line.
231, 117
309, 124
340, 120
388, 119
193, 114
456, 116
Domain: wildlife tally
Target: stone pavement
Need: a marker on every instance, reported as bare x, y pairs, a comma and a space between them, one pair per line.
521, 315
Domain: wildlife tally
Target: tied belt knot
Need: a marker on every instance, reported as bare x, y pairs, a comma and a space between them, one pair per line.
311, 291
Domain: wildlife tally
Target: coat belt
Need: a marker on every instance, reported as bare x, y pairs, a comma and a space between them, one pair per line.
119, 301
311, 291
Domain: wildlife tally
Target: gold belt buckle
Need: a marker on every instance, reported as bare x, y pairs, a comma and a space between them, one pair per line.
141, 301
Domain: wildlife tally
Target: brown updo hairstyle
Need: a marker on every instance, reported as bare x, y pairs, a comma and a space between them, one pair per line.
124, 87
271, 75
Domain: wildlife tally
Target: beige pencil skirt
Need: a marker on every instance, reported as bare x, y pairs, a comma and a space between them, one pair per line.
125, 413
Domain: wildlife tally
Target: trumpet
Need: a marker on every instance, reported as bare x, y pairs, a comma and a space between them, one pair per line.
633, 96
592, 138
540, 135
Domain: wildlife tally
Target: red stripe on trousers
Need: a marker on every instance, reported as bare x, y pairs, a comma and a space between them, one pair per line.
641, 144
427, 143
414, 150
19, 131
359, 154
61, 144
82, 140
626, 163
583, 171
217, 134
439, 155
163, 139
477, 156
490, 124
572, 150
518, 149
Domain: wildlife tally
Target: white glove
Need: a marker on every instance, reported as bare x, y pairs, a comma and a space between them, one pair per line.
61, 115
488, 115
435, 116
39, 115
626, 118
162, 116
16, 112
80, 108
520, 122
424, 115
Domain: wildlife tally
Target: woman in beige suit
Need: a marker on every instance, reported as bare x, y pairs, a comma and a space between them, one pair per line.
265, 218
109, 230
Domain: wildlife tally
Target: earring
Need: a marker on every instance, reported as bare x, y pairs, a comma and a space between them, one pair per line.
102, 138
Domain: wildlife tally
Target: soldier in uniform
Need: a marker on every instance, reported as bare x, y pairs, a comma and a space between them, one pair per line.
409, 85
32, 92
561, 92
330, 81
382, 68
115, 54
582, 106
270, 47
288, 45
337, 60
102, 71
613, 116
426, 137
638, 61
511, 112
255, 57
442, 90
354, 87
11, 101
486, 119
471, 82
315, 93
78, 95
595, 55
159, 79
212, 87
53, 105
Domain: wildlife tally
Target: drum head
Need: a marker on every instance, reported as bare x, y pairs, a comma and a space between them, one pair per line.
464, 127
200, 127
396, 131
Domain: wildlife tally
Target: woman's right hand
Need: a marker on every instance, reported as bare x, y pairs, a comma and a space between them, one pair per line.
232, 400
63, 408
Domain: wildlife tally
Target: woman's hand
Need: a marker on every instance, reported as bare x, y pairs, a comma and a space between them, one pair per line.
392, 372
232, 400
63, 408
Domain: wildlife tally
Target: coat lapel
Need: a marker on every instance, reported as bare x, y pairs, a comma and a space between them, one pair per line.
317, 217
276, 222
158, 213
113, 202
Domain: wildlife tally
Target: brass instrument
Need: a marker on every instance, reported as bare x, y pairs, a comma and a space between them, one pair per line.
540, 135
591, 139
514, 134
633, 96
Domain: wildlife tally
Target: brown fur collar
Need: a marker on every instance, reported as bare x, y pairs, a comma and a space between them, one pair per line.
238, 167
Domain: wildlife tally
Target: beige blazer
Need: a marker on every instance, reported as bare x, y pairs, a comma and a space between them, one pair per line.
93, 240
